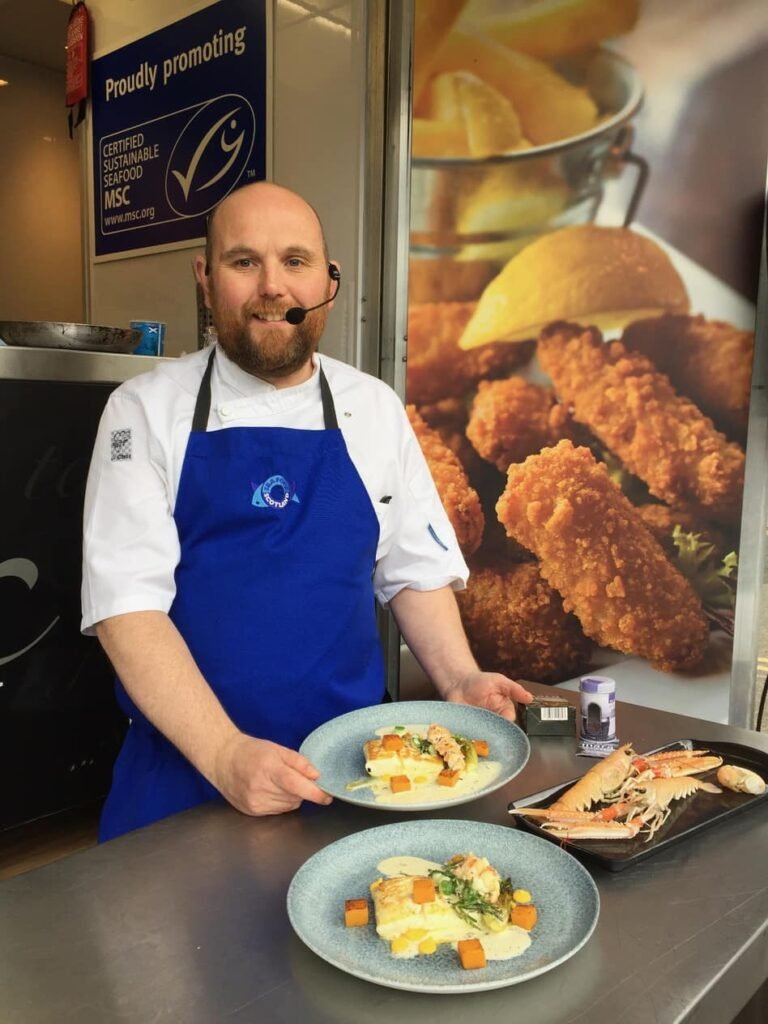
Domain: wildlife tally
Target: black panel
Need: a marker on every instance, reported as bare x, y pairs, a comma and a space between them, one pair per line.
60, 728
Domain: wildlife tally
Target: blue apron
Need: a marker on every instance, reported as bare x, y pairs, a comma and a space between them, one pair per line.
274, 597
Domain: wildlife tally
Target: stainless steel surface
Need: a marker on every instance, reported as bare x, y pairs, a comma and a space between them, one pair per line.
185, 921
55, 334
397, 184
751, 592
373, 184
67, 364
392, 308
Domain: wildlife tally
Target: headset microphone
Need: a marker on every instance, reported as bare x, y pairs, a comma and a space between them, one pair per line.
296, 314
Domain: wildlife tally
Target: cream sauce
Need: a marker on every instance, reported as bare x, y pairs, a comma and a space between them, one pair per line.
399, 730
504, 945
417, 866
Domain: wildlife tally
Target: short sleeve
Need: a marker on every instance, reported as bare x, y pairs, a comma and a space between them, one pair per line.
130, 542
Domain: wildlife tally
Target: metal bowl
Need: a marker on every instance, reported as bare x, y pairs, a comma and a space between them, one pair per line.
54, 334
470, 209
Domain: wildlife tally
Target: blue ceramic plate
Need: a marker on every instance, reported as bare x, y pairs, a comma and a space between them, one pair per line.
336, 748
563, 891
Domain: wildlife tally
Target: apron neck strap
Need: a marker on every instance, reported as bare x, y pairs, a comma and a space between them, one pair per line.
203, 403
329, 409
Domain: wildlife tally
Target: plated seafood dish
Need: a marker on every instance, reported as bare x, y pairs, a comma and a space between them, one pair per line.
425, 759
463, 903
646, 800
391, 905
381, 757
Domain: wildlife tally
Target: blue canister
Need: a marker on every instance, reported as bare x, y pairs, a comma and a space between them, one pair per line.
597, 716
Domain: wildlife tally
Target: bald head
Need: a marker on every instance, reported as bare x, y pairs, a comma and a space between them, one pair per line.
266, 255
268, 196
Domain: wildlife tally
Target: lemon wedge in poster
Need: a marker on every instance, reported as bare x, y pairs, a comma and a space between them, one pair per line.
603, 276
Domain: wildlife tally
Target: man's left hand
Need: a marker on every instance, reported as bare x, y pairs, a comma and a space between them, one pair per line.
492, 691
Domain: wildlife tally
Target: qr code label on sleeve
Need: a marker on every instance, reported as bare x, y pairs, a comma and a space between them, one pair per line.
120, 449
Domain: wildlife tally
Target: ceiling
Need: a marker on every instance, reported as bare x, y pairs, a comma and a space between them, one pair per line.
34, 31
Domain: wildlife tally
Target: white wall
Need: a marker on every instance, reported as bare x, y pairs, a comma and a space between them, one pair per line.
41, 261
317, 147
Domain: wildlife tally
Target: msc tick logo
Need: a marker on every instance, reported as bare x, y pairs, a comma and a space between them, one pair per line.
210, 154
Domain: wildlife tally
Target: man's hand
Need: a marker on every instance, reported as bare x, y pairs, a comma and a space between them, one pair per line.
489, 690
259, 777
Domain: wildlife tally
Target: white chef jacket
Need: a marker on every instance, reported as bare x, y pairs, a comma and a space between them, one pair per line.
130, 542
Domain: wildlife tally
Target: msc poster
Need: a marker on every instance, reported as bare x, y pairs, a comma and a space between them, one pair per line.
179, 120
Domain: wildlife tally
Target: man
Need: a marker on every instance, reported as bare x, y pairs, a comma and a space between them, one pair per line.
244, 505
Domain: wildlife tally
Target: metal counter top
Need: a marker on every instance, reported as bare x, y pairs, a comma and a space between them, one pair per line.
185, 921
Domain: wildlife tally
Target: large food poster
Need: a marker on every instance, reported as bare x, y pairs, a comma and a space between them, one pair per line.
179, 120
580, 338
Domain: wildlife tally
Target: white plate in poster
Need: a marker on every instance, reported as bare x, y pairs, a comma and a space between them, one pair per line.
708, 689
336, 750
563, 891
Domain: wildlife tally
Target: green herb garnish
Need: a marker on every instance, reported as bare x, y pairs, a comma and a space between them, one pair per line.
422, 745
468, 903
713, 579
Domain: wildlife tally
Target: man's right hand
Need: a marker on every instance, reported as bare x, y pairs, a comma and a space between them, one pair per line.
260, 777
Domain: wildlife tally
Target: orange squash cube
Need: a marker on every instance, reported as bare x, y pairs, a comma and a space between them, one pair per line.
423, 890
482, 748
399, 783
524, 915
391, 741
355, 913
471, 954
447, 777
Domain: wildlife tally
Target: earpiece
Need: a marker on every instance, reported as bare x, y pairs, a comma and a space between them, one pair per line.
334, 272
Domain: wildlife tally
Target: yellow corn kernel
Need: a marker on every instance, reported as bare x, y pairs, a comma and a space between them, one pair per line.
400, 945
420, 780
521, 896
427, 946
414, 934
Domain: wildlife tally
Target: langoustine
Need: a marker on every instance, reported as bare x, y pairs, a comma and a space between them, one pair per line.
653, 797
669, 764
601, 782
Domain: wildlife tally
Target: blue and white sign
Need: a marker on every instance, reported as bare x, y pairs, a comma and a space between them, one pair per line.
179, 120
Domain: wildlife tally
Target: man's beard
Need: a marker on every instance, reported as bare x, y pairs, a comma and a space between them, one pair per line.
277, 353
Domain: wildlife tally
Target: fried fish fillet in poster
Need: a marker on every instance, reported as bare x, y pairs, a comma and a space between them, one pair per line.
449, 418
635, 412
594, 549
516, 624
709, 361
511, 419
460, 501
437, 367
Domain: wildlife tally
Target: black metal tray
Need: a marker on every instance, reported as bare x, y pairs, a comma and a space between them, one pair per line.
690, 816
